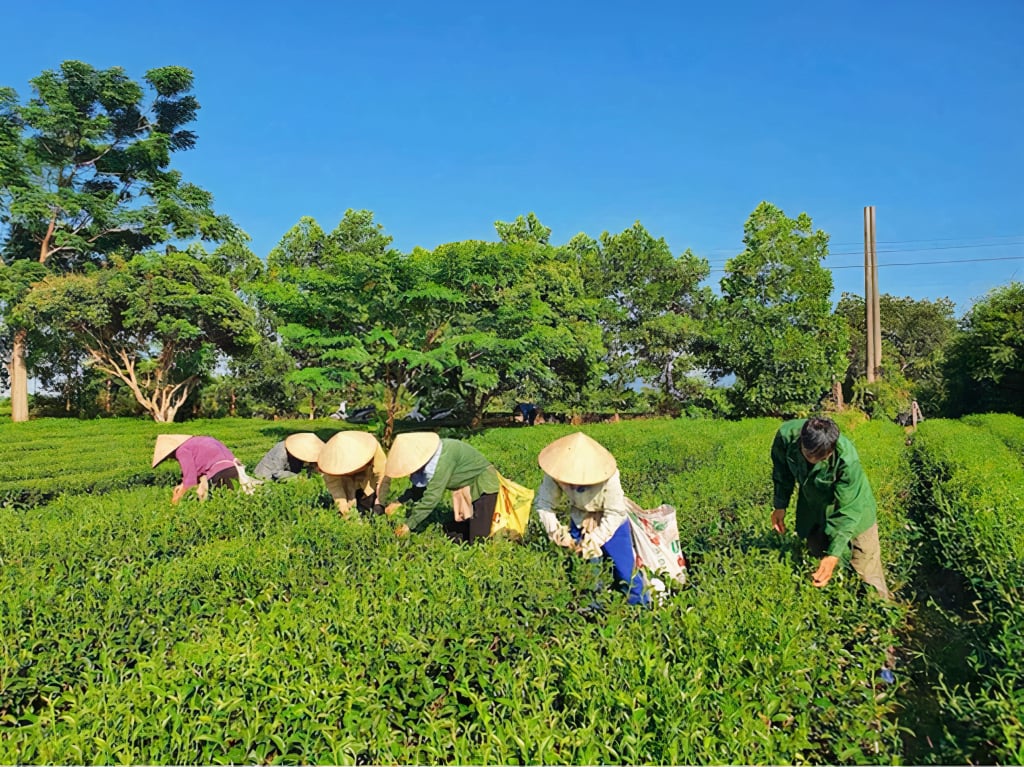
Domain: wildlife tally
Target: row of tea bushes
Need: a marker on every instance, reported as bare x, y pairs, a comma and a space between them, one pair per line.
47, 457
972, 493
1006, 427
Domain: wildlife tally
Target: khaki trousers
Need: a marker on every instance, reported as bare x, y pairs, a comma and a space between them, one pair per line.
865, 556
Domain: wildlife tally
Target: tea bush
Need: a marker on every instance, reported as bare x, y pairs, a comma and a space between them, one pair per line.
1006, 427
971, 498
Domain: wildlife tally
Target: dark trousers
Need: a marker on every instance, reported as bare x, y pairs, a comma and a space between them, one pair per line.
477, 527
225, 478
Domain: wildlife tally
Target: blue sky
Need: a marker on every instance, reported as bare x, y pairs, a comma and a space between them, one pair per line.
443, 117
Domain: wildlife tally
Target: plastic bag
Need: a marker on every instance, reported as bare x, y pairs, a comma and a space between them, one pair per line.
512, 509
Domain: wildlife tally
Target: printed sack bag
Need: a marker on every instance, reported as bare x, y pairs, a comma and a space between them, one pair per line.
655, 535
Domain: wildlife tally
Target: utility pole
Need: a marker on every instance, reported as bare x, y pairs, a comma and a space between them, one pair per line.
872, 325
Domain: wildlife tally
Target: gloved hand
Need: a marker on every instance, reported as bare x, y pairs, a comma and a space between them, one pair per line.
589, 550
561, 537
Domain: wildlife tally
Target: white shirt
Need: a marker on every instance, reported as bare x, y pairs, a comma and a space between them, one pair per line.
606, 497
421, 477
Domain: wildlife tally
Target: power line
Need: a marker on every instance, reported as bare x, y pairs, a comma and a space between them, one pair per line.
981, 237
917, 263
922, 250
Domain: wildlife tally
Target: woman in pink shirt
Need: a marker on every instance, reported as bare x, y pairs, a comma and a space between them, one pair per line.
199, 457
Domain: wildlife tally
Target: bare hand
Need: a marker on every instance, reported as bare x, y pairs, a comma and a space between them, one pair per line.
824, 572
402, 531
392, 507
179, 492
779, 521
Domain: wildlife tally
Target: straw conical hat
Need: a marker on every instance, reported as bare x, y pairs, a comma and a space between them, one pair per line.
347, 452
305, 446
577, 460
167, 444
410, 452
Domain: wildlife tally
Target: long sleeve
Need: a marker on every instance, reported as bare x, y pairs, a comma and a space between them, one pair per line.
782, 477
854, 510
277, 464
342, 490
418, 512
189, 470
547, 498
613, 514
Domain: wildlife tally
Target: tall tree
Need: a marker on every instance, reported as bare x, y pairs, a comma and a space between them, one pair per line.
985, 368
916, 334
86, 174
656, 312
357, 315
156, 322
522, 324
775, 328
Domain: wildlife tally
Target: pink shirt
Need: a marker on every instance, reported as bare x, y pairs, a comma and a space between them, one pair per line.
202, 456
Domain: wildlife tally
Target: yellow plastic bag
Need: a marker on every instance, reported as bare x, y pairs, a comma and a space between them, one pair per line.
512, 509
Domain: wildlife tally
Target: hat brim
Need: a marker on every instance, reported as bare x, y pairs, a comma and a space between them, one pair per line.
166, 444
347, 452
304, 445
410, 452
577, 460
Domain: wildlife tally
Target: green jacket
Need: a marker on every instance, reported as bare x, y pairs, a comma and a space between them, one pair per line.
458, 465
834, 494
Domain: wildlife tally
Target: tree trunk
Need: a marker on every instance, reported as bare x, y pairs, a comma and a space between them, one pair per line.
231, 407
19, 378
312, 405
837, 395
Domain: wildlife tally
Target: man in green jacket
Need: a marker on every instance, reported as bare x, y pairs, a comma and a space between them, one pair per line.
835, 508
435, 465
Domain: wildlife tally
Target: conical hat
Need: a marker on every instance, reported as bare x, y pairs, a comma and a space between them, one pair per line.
305, 446
577, 460
167, 444
410, 452
347, 452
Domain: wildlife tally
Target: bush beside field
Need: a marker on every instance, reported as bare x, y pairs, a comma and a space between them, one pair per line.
266, 628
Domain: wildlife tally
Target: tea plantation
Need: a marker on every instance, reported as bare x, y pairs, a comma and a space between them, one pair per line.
265, 628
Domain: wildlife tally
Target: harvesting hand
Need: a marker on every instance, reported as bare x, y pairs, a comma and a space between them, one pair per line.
392, 507
779, 521
179, 492
824, 572
402, 531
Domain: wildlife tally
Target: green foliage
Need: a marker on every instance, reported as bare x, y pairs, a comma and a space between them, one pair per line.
86, 178
654, 313
915, 335
883, 398
526, 230
969, 513
775, 328
266, 628
1005, 427
155, 322
521, 326
985, 369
